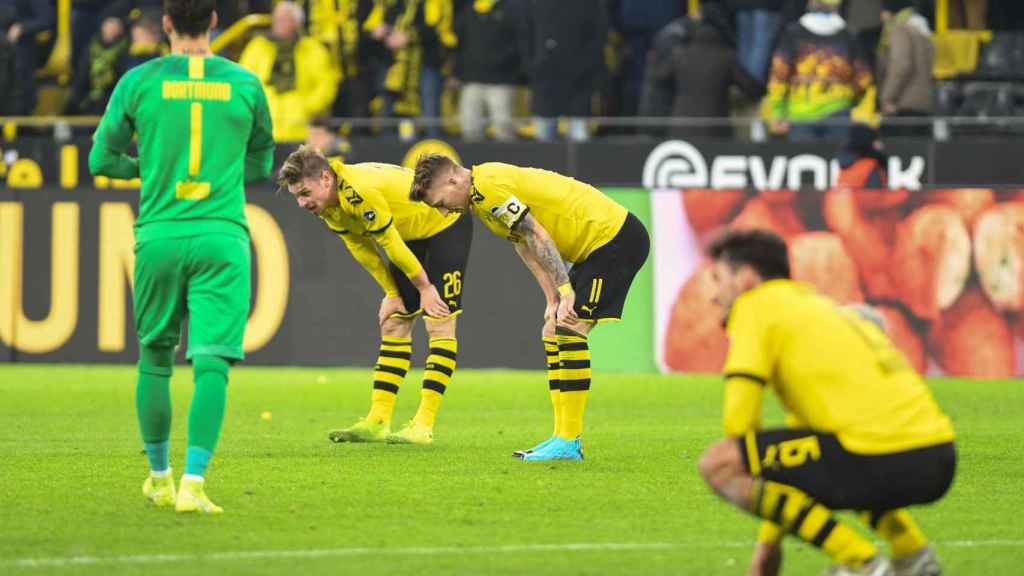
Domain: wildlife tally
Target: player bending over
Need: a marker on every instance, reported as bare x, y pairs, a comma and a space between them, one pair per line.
367, 205
552, 219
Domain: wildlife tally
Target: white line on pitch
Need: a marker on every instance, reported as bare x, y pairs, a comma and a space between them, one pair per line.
418, 551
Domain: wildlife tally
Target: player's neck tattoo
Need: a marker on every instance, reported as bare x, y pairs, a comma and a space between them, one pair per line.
195, 51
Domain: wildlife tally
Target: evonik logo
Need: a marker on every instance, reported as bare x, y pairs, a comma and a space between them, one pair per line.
679, 164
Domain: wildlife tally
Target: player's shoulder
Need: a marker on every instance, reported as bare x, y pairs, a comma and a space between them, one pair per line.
494, 176
494, 170
225, 69
772, 299
155, 68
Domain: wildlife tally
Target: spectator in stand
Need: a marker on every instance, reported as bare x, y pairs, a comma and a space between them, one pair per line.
111, 54
564, 64
419, 38
298, 76
863, 163
864, 19
26, 18
658, 90
757, 26
702, 70
361, 58
147, 40
639, 22
325, 138
818, 76
906, 57
86, 16
97, 73
487, 66
12, 91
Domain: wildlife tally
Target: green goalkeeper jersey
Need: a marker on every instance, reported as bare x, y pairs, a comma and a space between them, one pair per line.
203, 129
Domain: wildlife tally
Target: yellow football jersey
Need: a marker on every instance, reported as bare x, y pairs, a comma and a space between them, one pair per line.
834, 371
579, 218
373, 196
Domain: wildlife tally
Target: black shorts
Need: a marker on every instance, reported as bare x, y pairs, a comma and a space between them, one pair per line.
602, 280
819, 465
444, 257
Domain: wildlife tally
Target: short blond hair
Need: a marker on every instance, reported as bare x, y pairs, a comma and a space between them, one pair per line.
306, 162
428, 168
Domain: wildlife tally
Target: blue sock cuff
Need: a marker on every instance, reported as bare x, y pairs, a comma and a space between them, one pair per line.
196, 460
157, 453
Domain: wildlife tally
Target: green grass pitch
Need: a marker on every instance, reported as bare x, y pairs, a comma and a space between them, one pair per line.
71, 470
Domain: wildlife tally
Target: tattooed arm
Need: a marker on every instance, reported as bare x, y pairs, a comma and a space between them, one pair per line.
545, 255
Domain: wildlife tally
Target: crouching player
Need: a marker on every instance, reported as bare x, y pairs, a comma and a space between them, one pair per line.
866, 433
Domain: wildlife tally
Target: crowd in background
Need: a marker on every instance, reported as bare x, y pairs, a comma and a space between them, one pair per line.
806, 66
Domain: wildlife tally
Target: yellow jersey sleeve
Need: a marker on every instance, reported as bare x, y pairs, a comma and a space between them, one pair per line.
577, 216
748, 333
366, 207
494, 199
384, 188
742, 410
397, 251
365, 252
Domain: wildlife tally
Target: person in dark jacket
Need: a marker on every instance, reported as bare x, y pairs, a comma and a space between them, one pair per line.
703, 71
12, 92
862, 161
26, 19
564, 63
639, 21
99, 71
488, 66
658, 90
757, 25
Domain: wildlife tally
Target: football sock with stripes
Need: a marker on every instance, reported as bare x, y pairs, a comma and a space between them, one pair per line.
554, 371
388, 374
573, 381
437, 374
798, 514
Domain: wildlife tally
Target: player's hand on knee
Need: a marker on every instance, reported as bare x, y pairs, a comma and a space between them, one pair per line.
551, 312
432, 303
566, 313
388, 306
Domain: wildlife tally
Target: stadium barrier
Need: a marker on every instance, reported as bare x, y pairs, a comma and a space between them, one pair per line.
66, 255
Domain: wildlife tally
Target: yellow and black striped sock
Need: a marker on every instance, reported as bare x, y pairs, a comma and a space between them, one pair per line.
388, 374
436, 377
797, 513
573, 381
554, 371
897, 527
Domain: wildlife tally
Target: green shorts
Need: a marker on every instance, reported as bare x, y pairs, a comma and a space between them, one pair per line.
204, 277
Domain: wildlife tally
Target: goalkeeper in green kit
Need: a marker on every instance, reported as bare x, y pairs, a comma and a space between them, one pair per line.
203, 131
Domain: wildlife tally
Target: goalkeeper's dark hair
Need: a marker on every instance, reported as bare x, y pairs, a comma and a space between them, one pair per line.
428, 168
190, 17
306, 162
762, 250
